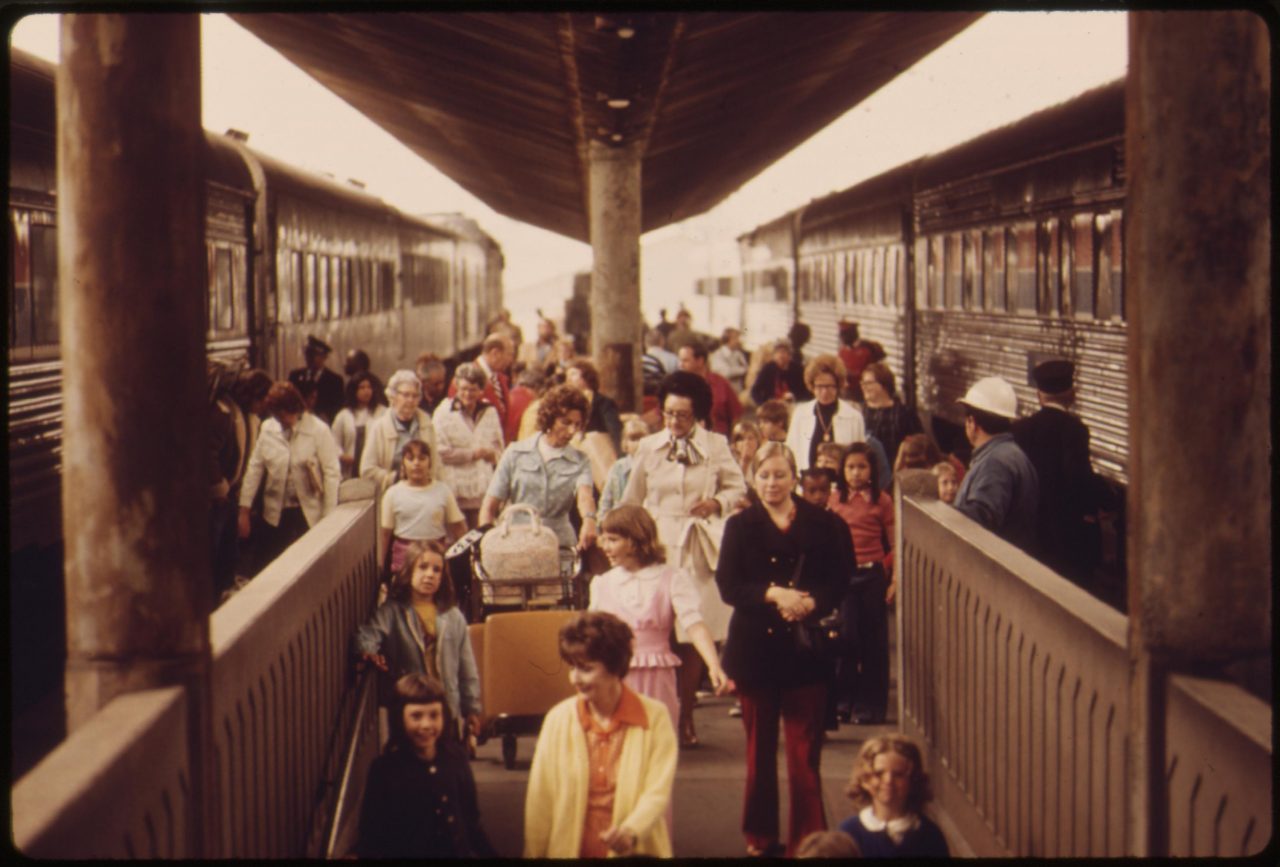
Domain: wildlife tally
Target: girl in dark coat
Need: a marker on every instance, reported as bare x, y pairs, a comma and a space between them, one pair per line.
420, 797
782, 563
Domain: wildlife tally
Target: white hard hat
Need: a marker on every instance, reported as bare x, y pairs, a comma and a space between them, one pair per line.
992, 394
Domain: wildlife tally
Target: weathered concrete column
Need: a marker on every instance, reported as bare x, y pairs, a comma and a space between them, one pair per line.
616, 324
132, 271
1198, 264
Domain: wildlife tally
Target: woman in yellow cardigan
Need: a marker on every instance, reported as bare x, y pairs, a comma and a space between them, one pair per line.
605, 759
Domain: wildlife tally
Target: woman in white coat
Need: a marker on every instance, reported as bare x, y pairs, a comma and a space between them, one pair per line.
688, 480
826, 418
295, 461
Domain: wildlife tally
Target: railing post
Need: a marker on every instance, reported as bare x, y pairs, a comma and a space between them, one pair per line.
1198, 264
132, 297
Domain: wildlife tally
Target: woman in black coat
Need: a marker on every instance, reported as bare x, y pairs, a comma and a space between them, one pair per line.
782, 564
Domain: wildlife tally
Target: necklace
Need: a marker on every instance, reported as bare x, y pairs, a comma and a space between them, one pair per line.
824, 426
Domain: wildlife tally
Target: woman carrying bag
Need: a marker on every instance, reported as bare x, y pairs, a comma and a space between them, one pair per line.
783, 570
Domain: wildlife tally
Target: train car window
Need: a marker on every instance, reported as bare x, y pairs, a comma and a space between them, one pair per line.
19, 282
386, 286
971, 279
1082, 266
937, 261
309, 287
893, 277
924, 271
324, 291
222, 292
1110, 251
876, 295
291, 272
953, 269
337, 286
829, 282
1050, 267
993, 292
1023, 265
44, 284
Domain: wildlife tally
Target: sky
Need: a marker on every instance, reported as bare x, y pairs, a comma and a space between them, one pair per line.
1001, 68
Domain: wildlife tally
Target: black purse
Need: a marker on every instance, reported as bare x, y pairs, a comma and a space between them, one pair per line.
821, 639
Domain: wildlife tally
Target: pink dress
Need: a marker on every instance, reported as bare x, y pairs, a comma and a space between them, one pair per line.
649, 600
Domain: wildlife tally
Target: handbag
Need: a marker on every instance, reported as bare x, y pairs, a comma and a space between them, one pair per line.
523, 551
820, 639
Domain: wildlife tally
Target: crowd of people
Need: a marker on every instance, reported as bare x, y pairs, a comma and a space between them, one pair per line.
746, 527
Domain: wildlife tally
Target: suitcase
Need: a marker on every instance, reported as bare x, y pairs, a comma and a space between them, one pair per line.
521, 563
521, 673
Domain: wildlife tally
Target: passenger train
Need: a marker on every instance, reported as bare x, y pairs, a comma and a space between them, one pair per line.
290, 253
981, 260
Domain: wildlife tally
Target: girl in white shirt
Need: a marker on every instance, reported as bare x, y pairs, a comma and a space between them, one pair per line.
416, 508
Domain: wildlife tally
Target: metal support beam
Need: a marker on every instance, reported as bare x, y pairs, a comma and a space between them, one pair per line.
616, 323
1198, 253
132, 286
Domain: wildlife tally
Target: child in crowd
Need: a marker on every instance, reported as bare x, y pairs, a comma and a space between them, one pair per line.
605, 760
830, 456
948, 482
890, 788
633, 430
744, 440
815, 485
417, 508
828, 844
420, 796
772, 417
868, 512
419, 629
646, 593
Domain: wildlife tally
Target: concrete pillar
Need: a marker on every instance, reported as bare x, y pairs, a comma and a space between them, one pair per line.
616, 324
133, 273
1198, 265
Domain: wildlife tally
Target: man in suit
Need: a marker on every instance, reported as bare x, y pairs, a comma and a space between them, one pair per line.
1068, 538
327, 383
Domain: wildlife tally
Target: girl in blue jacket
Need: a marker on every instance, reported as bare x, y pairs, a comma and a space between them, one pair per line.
419, 630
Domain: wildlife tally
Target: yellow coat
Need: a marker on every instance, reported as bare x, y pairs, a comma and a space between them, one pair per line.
555, 807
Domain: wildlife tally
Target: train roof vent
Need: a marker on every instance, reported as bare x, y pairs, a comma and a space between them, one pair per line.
237, 134
359, 185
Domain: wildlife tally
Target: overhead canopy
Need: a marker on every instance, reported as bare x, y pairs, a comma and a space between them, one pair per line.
506, 103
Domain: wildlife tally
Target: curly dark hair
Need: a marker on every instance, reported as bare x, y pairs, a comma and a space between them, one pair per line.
283, 396
560, 401
597, 636
353, 385
590, 375
682, 383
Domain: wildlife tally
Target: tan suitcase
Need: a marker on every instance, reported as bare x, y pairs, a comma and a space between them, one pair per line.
521, 673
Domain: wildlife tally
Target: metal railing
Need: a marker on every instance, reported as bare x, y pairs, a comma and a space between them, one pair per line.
1016, 684
281, 674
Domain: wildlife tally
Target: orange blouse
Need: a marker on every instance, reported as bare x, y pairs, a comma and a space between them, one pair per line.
604, 748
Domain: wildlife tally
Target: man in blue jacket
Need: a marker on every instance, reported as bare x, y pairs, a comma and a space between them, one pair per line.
1000, 491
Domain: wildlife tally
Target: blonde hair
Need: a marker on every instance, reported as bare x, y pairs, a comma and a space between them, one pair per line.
919, 791
773, 449
828, 844
634, 428
944, 468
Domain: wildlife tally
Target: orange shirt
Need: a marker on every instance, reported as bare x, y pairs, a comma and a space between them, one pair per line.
604, 748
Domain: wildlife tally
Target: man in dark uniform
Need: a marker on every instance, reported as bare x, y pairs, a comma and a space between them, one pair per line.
1057, 442
328, 384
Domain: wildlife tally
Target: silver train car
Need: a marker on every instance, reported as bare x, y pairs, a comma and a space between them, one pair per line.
981, 260
290, 253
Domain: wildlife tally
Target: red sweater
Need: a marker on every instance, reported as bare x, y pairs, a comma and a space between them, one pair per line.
869, 523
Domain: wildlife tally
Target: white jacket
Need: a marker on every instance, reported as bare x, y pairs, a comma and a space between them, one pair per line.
310, 454
344, 433
380, 447
846, 427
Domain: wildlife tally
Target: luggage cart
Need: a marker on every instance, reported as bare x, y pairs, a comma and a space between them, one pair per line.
521, 673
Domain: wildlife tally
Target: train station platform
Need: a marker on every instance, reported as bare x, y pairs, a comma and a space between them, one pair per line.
1017, 684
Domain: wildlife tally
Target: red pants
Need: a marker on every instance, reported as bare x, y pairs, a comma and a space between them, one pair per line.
801, 710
